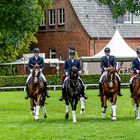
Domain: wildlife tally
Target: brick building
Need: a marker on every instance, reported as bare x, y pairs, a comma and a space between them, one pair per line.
84, 24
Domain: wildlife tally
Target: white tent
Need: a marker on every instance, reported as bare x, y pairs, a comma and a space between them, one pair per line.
119, 48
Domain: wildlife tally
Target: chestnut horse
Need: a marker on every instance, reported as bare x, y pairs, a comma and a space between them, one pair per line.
136, 94
109, 92
73, 89
36, 93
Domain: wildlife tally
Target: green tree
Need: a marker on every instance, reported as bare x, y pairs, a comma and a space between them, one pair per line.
119, 7
19, 21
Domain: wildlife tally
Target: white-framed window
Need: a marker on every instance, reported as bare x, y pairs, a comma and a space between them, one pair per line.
136, 17
128, 18
52, 56
61, 16
43, 23
51, 17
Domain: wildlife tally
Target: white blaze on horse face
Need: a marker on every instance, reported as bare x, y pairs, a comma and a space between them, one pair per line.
114, 112
74, 116
36, 74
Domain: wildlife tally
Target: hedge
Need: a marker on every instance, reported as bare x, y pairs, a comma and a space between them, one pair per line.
53, 80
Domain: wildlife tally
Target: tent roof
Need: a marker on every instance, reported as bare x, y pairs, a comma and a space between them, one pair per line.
119, 48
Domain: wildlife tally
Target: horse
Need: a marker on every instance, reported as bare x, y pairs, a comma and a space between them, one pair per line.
136, 94
72, 94
36, 93
109, 92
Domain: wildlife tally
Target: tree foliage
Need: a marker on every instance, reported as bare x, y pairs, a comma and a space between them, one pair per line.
19, 21
120, 7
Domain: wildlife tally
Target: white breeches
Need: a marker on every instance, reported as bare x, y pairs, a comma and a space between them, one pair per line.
41, 75
130, 81
105, 73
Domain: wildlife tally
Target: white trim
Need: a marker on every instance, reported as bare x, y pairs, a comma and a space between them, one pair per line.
63, 16
52, 17
51, 54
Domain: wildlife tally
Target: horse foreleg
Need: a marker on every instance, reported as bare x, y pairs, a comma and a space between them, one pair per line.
44, 111
137, 111
73, 104
82, 106
32, 107
67, 109
37, 108
114, 107
104, 106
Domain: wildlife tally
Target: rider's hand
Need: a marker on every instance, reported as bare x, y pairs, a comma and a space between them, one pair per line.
137, 71
40, 70
31, 70
66, 73
80, 72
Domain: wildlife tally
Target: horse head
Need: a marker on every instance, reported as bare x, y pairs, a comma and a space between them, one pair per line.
111, 75
74, 73
36, 73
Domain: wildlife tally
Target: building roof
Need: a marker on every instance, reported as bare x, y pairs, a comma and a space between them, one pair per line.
98, 22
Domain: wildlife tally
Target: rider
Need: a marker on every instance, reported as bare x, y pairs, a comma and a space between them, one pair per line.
69, 64
36, 59
106, 62
135, 68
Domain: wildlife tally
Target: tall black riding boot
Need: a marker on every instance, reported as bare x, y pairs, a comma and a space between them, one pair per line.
131, 90
45, 90
100, 89
119, 86
83, 93
63, 95
26, 96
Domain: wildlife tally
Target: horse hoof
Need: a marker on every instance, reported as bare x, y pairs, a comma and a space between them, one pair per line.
137, 118
36, 118
74, 121
82, 112
45, 116
114, 119
66, 116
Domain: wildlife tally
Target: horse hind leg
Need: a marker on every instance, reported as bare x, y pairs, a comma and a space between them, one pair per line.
67, 110
82, 111
44, 111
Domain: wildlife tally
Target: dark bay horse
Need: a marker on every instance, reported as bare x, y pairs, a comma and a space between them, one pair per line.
109, 92
36, 93
136, 94
72, 94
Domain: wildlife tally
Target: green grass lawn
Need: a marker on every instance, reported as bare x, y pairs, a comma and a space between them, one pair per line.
16, 122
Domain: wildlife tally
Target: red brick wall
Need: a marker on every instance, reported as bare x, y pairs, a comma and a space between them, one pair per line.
62, 38
100, 44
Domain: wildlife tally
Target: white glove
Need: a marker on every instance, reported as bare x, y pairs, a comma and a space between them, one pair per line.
137, 71
40, 70
31, 70
66, 73
80, 72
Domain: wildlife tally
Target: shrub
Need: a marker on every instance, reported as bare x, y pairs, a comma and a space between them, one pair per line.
53, 80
